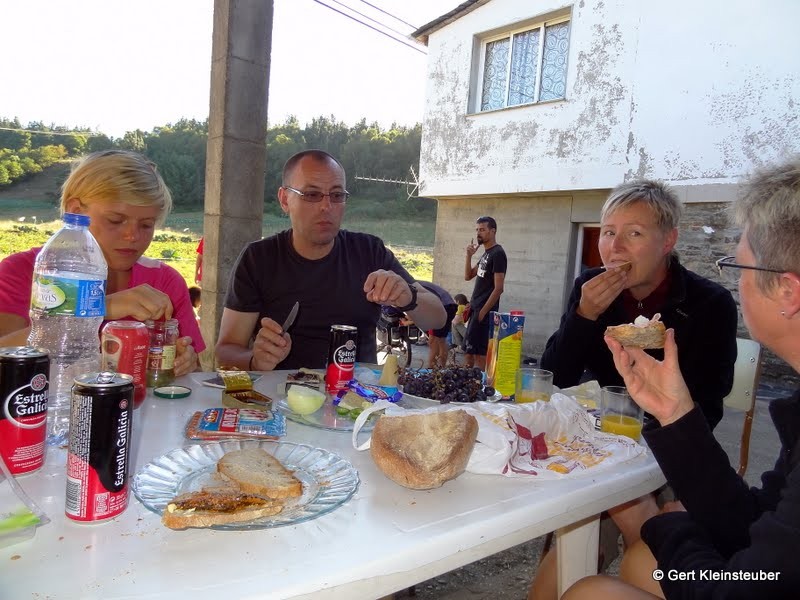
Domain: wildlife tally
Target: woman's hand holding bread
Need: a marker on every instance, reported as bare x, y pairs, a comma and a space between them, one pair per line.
657, 386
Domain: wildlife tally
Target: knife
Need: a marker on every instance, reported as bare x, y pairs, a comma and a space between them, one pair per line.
290, 319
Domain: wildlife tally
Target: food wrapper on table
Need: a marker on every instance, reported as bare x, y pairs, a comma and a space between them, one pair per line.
368, 384
510, 438
239, 392
236, 424
587, 394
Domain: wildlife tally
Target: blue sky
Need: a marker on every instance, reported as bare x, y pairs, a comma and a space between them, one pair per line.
115, 66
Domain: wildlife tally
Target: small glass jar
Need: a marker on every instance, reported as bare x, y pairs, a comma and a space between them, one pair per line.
161, 355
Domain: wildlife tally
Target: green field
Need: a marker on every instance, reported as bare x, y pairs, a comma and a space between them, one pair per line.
28, 223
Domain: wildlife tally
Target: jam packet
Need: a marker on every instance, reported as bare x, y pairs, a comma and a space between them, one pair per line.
239, 393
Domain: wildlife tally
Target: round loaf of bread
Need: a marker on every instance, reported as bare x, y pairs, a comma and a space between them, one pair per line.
422, 451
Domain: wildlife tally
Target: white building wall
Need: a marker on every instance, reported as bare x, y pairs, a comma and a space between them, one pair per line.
686, 91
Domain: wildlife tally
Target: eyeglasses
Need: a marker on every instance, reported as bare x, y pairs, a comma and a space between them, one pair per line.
730, 275
336, 197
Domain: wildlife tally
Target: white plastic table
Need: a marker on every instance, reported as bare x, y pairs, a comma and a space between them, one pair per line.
385, 538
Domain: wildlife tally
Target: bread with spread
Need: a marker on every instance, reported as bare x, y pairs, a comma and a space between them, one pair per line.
250, 484
642, 333
217, 506
422, 451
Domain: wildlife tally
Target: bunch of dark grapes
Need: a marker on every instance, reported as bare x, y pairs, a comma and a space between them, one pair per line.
451, 384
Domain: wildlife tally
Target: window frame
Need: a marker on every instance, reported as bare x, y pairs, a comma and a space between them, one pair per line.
509, 34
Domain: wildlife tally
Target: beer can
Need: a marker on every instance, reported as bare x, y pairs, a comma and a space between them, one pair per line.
124, 345
24, 391
98, 455
341, 357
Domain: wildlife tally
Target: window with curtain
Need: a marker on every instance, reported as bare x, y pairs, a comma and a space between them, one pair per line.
525, 66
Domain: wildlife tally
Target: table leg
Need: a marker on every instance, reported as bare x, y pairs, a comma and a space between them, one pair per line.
576, 549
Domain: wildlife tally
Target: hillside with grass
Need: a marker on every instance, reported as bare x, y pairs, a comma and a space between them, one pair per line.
29, 215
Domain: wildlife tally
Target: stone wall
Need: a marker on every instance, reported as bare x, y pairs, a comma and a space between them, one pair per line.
700, 246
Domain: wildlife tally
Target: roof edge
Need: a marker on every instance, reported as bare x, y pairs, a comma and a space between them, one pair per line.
422, 34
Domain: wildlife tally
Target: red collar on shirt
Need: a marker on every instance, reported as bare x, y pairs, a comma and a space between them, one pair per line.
649, 306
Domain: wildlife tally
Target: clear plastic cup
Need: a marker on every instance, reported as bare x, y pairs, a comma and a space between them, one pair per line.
533, 384
619, 413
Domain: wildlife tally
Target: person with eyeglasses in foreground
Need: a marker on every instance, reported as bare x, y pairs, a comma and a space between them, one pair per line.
338, 277
731, 541
125, 197
639, 226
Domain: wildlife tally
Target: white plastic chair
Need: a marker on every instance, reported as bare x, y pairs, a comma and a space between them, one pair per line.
746, 372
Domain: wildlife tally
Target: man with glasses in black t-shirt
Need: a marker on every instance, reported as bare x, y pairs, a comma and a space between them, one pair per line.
337, 276
491, 274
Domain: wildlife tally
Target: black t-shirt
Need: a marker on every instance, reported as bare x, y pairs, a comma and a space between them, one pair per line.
270, 276
493, 261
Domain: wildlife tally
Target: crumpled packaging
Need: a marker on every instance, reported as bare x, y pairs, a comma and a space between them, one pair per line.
506, 432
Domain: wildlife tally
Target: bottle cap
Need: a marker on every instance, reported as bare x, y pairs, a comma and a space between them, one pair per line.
172, 392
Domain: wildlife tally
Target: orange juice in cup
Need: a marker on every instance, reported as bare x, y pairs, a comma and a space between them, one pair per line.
619, 414
621, 425
533, 384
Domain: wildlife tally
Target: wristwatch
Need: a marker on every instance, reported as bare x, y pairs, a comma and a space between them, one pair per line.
413, 304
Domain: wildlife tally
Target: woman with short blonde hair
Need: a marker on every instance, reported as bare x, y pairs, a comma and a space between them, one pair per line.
125, 197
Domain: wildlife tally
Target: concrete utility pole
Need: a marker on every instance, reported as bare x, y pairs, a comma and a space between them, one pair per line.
236, 158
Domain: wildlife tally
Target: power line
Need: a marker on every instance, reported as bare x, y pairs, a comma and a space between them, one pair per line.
360, 14
39, 131
390, 14
371, 27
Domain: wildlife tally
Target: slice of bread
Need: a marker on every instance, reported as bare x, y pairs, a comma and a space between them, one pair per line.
217, 506
256, 471
649, 337
422, 451
623, 266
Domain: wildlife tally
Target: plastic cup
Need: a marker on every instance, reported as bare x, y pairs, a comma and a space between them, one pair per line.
533, 384
619, 413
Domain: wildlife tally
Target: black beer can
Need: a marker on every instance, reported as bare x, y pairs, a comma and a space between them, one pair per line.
24, 390
98, 457
341, 357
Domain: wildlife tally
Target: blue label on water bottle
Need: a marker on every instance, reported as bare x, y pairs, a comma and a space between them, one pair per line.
65, 296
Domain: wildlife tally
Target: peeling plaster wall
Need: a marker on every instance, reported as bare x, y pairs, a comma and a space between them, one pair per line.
690, 92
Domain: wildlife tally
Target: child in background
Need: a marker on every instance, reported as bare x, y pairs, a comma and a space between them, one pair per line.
194, 296
459, 323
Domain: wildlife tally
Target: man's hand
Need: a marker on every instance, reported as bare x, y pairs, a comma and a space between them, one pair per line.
598, 293
186, 359
270, 347
472, 247
387, 287
657, 386
142, 302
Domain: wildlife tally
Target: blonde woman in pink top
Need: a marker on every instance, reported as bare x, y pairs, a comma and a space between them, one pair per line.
125, 198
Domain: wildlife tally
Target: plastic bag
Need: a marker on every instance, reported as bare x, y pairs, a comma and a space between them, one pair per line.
506, 432
19, 515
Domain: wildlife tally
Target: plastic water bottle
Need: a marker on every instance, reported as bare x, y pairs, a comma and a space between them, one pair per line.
68, 302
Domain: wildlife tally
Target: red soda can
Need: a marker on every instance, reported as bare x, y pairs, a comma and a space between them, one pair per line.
341, 357
125, 345
24, 391
98, 455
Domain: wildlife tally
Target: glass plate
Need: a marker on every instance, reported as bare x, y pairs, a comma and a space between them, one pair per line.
328, 480
324, 418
